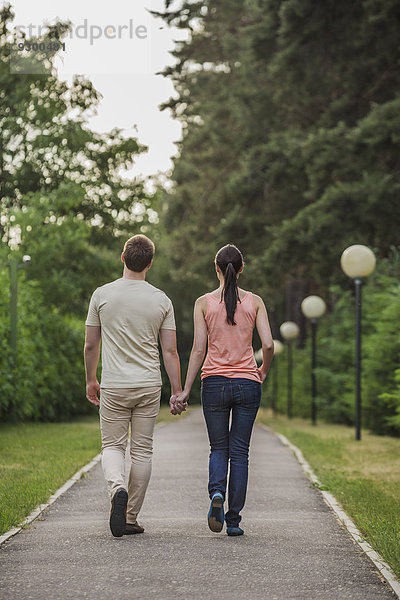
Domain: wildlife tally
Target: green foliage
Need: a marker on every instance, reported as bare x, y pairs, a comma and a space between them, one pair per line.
392, 401
291, 138
290, 150
335, 371
64, 200
382, 356
48, 383
45, 143
66, 263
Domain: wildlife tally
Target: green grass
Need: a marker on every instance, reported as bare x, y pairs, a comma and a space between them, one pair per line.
37, 458
364, 476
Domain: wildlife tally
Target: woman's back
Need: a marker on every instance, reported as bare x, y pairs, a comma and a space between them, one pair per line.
231, 383
230, 351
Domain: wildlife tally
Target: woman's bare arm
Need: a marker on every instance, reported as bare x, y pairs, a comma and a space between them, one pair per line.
264, 331
199, 344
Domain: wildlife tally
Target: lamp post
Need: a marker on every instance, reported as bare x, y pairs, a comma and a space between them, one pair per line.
358, 261
14, 266
278, 349
313, 307
289, 331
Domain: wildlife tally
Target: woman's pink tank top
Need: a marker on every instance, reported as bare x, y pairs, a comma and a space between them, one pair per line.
230, 351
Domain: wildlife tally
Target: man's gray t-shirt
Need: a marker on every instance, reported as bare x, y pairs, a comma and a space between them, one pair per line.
130, 313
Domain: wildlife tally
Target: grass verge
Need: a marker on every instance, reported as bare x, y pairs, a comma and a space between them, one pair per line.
363, 476
37, 458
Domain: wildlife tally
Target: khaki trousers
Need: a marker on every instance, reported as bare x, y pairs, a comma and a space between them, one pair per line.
119, 408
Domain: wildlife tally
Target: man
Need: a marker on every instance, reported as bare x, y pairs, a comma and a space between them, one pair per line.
128, 316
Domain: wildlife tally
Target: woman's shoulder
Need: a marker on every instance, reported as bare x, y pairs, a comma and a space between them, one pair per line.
257, 300
216, 294
201, 302
245, 293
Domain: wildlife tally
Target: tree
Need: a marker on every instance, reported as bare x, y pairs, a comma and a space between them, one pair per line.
65, 201
289, 113
64, 198
290, 148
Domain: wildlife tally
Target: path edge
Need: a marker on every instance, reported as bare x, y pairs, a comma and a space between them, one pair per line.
382, 566
42, 507
66, 486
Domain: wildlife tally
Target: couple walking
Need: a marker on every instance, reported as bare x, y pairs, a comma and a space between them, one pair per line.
128, 317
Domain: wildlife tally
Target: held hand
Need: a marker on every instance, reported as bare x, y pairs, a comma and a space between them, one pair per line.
173, 408
92, 389
177, 403
182, 398
181, 401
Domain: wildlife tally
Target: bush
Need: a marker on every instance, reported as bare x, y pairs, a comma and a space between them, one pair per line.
49, 382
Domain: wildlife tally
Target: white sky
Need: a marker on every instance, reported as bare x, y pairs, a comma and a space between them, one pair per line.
122, 68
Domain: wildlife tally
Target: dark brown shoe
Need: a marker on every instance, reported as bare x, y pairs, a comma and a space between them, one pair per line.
118, 512
132, 528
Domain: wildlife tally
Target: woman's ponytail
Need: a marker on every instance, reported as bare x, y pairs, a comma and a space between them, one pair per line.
230, 260
230, 292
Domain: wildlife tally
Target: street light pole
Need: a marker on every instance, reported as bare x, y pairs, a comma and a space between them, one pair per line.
290, 381
313, 307
289, 331
274, 386
313, 367
278, 348
358, 283
13, 309
358, 261
14, 266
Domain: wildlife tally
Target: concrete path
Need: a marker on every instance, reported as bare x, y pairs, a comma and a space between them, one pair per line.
294, 548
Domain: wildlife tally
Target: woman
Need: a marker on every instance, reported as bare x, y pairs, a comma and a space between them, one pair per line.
231, 383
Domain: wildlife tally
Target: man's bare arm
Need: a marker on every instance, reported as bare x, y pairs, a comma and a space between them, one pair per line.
171, 359
92, 355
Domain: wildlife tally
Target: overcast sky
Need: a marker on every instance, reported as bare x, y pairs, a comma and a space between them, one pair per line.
119, 47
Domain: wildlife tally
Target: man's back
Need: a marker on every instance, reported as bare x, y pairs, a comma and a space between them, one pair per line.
128, 316
131, 314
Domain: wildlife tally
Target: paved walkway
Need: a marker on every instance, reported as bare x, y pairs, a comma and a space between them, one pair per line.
294, 548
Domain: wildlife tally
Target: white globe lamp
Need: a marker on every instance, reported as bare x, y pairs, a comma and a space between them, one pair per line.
313, 307
289, 330
358, 261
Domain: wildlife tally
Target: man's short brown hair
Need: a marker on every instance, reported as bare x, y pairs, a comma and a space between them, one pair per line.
138, 253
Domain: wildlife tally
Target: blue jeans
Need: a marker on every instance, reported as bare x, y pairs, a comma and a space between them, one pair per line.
219, 397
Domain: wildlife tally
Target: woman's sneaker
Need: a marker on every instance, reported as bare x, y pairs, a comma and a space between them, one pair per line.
216, 513
234, 531
118, 512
